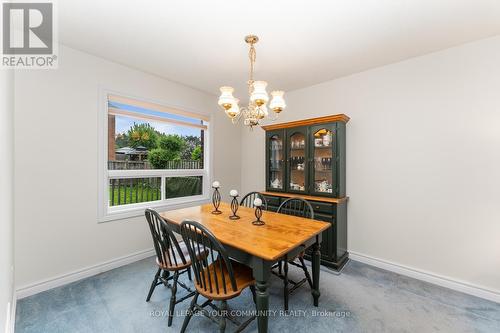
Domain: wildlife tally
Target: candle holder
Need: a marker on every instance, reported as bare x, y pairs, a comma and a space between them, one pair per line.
258, 212
258, 215
234, 207
216, 198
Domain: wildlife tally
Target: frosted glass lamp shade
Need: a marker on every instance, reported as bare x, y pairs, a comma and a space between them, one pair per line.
277, 102
226, 99
259, 95
234, 110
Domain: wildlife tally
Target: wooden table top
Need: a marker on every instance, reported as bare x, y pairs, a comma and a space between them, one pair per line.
271, 241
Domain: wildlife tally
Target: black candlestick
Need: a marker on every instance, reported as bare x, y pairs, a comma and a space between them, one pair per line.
216, 201
234, 208
258, 215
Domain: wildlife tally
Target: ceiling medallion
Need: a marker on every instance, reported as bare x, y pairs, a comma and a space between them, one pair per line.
257, 108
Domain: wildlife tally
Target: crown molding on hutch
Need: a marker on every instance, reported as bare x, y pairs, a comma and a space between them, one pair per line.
310, 121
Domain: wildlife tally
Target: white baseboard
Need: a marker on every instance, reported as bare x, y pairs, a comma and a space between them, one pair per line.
439, 280
60, 280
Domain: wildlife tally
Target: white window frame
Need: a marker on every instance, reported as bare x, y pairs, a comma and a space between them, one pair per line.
110, 213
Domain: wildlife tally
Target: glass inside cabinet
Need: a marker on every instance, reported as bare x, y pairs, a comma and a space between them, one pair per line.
276, 167
297, 161
323, 160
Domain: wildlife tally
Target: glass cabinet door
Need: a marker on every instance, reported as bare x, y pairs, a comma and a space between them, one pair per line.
323, 159
275, 162
297, 160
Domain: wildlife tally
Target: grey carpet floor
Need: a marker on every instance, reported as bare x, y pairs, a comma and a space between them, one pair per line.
361, 299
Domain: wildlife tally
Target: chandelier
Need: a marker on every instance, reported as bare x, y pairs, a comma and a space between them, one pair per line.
257, 106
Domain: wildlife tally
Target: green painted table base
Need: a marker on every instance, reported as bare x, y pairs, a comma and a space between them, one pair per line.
262, 271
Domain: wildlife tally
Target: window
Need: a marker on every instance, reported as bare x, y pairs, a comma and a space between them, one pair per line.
154, 156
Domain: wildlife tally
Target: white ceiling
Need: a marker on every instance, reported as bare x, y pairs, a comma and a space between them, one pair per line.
200, 43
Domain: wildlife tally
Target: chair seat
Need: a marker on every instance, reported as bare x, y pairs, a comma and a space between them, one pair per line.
171, 265
242, 275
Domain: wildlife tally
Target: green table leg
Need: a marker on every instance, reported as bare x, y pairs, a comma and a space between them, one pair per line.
262, 296
316, 259
261, 273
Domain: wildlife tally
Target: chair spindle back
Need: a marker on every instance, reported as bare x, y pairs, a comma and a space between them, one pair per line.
248, 199
168, 251
296, 207
208, 259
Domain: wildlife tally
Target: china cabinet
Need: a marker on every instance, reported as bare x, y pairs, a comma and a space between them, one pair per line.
306, 158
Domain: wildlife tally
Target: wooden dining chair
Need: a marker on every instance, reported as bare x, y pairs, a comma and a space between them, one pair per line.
302, 208
217, 278
171, 256
248, 199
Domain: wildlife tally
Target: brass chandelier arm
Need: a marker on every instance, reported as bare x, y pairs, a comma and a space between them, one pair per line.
237, 118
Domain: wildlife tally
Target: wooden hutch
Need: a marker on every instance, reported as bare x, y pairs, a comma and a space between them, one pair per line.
306, 158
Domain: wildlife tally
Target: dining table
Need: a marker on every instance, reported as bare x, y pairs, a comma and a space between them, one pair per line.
281, 237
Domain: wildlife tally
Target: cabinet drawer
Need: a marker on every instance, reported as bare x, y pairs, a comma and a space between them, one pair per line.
323, 217
272, 201
322, 207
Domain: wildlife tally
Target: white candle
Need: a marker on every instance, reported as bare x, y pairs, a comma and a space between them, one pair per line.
215, 184
257, 202
233, 193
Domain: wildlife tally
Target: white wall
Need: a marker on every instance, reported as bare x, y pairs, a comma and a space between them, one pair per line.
56, 161
423, 157
6, 200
